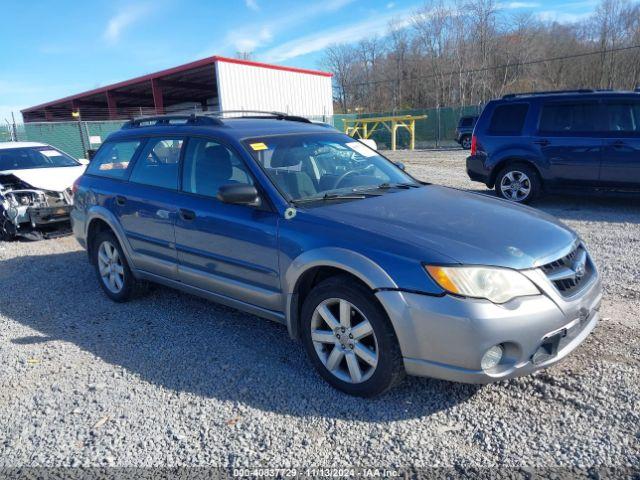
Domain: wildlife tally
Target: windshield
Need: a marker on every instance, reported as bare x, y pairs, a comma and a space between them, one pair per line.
324, 165
34, 157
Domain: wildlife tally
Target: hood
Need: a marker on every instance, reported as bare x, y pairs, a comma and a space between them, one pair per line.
53, 179
470, 228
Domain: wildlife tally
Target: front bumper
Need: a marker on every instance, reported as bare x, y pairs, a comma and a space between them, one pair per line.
40, 216
446, 337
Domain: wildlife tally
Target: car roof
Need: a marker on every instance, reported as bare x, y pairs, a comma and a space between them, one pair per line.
236, 128
7, 145
570, 94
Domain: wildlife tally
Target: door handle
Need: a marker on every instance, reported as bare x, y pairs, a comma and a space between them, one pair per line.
187, 214
543, 143
618, 144
120, 200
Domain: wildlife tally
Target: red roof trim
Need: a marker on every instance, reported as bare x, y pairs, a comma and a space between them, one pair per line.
273, 67
170, 71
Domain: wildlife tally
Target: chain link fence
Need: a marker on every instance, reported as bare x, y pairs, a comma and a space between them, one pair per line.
78, 137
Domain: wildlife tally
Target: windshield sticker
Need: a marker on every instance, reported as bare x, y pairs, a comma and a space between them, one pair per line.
361, 149
51, 153
259, 146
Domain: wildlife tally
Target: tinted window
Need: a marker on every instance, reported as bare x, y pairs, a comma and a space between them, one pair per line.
113, 158
508, 119
158, 163
208, 165
466, 121
569, 118
622, 117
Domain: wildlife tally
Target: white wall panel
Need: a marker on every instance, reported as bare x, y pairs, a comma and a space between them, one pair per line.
248, 87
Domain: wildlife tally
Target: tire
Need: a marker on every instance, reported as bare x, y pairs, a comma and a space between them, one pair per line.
129, 287
522, 176
381, 343
465, 142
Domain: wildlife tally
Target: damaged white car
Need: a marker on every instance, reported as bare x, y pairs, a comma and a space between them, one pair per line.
35, 188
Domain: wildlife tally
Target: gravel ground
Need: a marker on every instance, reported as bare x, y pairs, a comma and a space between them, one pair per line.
172, 380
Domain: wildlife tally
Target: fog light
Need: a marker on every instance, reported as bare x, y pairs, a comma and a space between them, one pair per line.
492, 357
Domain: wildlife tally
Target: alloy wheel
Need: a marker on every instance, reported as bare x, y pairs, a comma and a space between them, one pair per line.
110, 267
515, 185
344, 340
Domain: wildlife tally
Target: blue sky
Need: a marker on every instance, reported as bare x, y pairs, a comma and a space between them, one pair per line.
51, 49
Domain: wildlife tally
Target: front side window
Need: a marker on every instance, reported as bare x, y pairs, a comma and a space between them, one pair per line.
622, 117
34, 157
314, 165
566, 118
113, 158
508, 119
208, 165
158, 163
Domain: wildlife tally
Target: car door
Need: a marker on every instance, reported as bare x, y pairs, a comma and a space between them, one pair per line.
621, 152
569, 141
229, 250
147, 210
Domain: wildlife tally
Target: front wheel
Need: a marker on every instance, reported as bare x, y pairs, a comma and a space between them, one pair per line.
519, 183
112, 269
349, 339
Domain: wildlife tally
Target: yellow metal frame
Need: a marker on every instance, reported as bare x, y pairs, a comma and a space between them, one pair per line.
360, 126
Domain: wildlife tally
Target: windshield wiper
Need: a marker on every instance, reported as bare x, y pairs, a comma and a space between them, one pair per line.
386, 185
333, 196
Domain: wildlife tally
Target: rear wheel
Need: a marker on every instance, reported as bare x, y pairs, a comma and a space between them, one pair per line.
519, 183
466, 142
349, 339
112, 269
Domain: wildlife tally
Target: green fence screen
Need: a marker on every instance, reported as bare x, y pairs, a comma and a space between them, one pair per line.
76, 138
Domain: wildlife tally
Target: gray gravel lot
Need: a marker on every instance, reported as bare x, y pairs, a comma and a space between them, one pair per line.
171, 379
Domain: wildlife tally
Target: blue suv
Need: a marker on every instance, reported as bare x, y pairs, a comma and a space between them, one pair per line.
377, 273
531, 143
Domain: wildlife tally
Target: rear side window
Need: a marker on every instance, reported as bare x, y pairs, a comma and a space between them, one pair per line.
622, 117
466, 122
113, 158
508, 119
158, 163
569, 118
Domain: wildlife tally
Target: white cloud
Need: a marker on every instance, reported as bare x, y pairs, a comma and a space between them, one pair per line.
369, 27
243, 43
391, 4
123, 19
252, 5
517, 5
562, 17
246, 39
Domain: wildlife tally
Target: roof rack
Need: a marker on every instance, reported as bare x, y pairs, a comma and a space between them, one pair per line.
260, 114
549, 92
160, 120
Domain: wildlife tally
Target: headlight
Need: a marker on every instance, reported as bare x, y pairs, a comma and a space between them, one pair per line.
498, 285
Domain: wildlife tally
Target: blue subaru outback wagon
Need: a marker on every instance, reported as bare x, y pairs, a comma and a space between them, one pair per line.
376, 273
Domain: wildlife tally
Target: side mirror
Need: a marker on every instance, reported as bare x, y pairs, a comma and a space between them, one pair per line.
239, 194
83, 161
400, 165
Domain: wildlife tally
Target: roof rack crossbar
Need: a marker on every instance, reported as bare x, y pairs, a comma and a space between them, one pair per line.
261, 114
548, 92
160, 120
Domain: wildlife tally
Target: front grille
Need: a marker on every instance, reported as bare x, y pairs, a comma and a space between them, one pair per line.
566, 274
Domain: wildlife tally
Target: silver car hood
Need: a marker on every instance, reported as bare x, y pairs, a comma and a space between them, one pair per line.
471, 228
